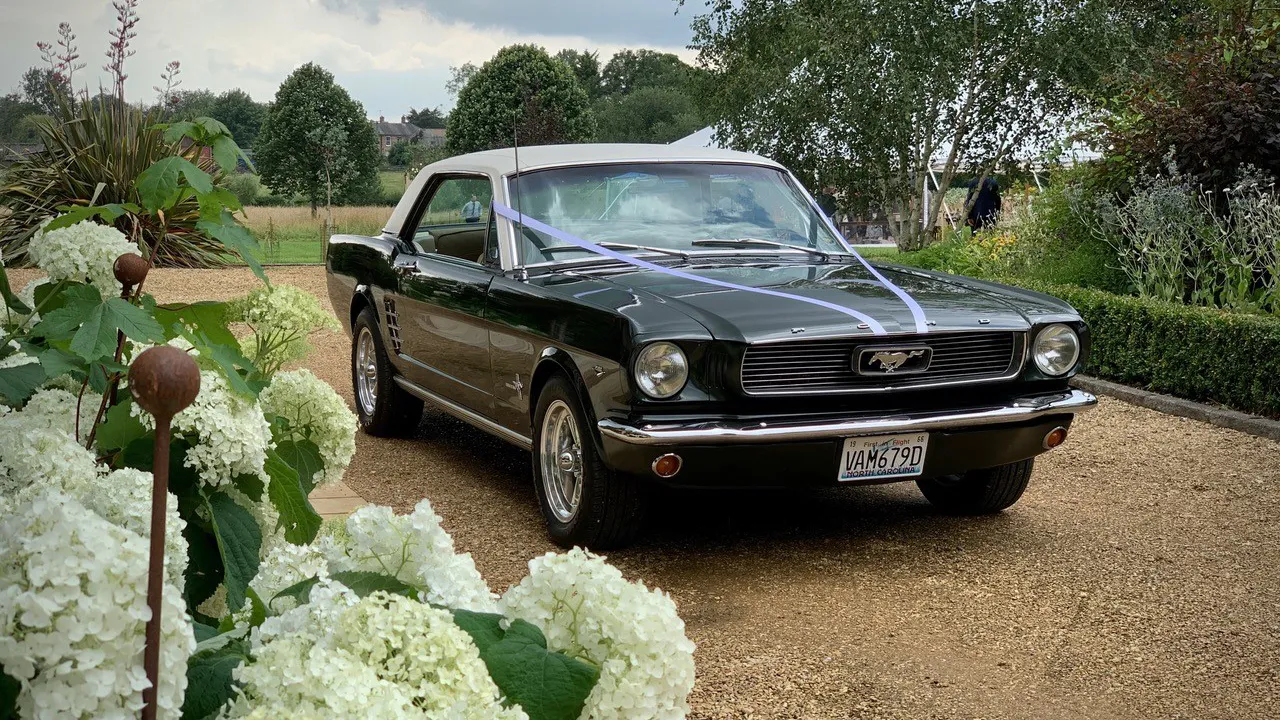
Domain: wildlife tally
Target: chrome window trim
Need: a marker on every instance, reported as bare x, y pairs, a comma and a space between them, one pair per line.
1019, 352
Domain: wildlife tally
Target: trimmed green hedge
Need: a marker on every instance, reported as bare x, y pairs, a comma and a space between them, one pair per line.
1191, 352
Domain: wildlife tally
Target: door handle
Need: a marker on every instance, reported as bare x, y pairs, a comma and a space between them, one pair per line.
405, 266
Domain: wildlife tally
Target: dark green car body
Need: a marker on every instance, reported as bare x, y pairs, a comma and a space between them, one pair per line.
764, 404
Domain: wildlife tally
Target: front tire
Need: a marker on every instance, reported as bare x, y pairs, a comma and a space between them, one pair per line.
383, 407
583, 501
978, 492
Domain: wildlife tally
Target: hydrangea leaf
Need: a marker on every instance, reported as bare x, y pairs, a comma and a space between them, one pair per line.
229, 361
257, 609
209, 679
360, 583
239, 544
236, 239
548, 685
17, 383
119, 428
304, 457
204, 568
299, 591
300, 521
9, 689
485, 629
251, 485
57, 362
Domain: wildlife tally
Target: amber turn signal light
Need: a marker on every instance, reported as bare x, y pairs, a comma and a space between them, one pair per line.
1055, 438
667, 465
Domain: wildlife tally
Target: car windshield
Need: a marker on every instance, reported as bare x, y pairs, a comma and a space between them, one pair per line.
669, 207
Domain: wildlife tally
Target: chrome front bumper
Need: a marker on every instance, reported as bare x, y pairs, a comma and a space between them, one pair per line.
721, 432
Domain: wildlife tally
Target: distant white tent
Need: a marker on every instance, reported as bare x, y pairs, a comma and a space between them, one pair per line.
703, 138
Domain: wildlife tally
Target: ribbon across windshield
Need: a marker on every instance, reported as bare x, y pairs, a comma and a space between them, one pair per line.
871, 323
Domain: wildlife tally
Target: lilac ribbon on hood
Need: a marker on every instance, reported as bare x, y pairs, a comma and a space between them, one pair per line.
569, 239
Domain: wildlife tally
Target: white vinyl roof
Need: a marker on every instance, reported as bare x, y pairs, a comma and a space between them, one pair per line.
534, 157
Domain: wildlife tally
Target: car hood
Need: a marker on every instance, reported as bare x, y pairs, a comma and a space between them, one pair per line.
948, 302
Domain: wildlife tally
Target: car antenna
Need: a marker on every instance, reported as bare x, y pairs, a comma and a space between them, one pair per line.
515, 181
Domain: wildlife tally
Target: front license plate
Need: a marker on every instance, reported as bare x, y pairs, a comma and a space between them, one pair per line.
883, 456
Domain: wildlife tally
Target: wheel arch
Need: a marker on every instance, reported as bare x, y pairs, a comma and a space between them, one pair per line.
554, 361
363, 298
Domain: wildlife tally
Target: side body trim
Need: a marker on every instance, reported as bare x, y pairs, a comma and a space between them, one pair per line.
465, 415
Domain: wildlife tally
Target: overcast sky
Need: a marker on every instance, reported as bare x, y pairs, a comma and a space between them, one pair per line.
389, 54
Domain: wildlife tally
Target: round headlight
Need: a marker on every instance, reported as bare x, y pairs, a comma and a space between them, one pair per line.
661, 370
1056, 350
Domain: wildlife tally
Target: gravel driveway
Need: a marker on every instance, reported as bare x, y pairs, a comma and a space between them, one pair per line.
1138, 578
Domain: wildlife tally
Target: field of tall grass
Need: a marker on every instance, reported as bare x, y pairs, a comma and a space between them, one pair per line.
291, 235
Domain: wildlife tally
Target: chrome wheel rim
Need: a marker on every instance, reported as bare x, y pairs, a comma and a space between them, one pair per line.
366, 371
560, 460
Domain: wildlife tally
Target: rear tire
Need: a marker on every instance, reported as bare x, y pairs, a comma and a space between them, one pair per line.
583, 501
978, 492
383, 407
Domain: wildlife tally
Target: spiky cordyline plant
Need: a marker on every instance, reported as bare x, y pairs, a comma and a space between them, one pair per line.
92, 155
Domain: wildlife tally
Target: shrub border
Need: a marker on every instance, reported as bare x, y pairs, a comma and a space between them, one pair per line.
1169, 405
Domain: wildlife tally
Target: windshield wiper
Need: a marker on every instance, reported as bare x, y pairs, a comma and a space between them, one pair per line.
616, 246
758, 242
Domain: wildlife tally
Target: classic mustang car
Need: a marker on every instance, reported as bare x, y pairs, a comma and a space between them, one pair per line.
640, 314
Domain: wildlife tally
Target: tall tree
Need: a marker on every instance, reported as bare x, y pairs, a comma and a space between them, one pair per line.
631, 70
42, 86
648, 115
13, 109
585, 65
427, 117
242, 116
296, 151
523, 90
459, 76
191, 104
867, 95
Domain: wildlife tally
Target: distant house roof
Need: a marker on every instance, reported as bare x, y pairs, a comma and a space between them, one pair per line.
404, 130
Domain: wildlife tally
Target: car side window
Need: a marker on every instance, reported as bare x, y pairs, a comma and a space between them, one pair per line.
456, 220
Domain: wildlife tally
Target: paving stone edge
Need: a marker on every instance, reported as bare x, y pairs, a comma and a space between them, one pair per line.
1222, 417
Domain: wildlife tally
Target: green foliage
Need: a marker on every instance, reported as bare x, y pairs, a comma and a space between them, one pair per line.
94, 155
44, 88
547, 685
245, 186
239, 543
864, 96
294, 151
300, 521
585, 65
209, 681
427, 117
521, 90
359, 582
9, 689
631, 70
1195, 353
649, 115
242, 116
13, 114
400, 154
1207, 100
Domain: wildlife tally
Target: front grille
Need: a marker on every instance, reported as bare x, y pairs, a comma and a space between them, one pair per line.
826, 366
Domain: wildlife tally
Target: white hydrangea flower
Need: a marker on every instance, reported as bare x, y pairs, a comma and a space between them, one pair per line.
55, 408
231, 435
123, 497
415, 549
288, 564
281, 317
84, 251
383, 656
73, 610
587, 609
314, 412
36, 458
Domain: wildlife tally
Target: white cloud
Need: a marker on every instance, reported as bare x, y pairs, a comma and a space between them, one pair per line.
399, 58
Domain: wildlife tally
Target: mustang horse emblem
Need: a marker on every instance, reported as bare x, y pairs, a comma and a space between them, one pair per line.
890, 361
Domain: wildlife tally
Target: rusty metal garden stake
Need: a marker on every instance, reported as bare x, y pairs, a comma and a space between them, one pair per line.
163, 380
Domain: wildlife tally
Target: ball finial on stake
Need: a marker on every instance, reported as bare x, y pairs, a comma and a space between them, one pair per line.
130, 269
163, 381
